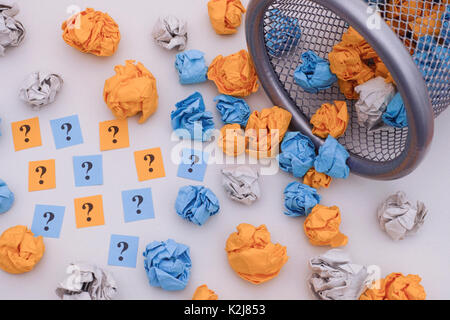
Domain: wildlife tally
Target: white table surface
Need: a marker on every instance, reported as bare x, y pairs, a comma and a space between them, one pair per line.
426, 254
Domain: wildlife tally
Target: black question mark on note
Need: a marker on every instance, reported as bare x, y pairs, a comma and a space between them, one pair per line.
116, 131
90, 206
67, 126
43, 170
125, 248
151, 158
89, 166
139, 199
51, 216
27, 129
194, 161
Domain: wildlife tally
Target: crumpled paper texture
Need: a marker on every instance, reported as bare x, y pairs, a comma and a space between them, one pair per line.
12, 31
429, 22
241, 184
395, 114
300, 199
232, 140
445, 29
196, 204
170, 32
234, 75
253, 256
40, 88
20, 250
330, 119
316, 179
204, 293
87, 282
92, 32
430, 56
191, 67
6, 197
284, 33
399, 218
332, 159
314, 73
335, 277
225, 15
233, 110
322, 227
168, 264
297, 154
396, 286
190, 115
131, 91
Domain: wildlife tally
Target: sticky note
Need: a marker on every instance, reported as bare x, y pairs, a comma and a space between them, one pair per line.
41, 175
66, 132
89, 212
123, 251
138, 205
193, 165
88, 170
47, 221
114, 135
149, 164
26, 134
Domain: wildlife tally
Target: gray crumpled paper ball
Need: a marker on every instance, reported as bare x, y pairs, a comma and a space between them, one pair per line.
87, 282
241, 184
170, 32
12, 31
40, 88
399, 218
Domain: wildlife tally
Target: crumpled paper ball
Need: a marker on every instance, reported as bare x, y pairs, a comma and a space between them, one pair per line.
430, 56
233, 110
6, 197
196, 204
429, 22
234, 75
253, 256
232, 140
265, 130
130, 91
190, 115
445, 29
396, 286
241, 184
297, 154
400, 218
322, 227
314, 73
87, 282
93, 32
330, 119
191, 67
204, 293
170, 32
40, 89
283, 34
20, 250
335, 277
316, 179
225, 15
332, 159
12, 31
300, 199
395, 114
168, 264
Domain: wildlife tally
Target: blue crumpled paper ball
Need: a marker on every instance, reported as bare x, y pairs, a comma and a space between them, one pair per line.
300, 199
432, 59
332, 159
314, 73
297, 154
233, 110
395, 114
191, 67
284, 33
445, 29
168, 264
191, 116
196, 204
6, 197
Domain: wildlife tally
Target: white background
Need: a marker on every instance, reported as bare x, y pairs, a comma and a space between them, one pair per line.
426, 254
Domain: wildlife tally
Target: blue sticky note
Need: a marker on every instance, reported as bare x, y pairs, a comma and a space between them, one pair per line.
138, 205
123, 251
47, 221
193, 165
66, 132
88, 170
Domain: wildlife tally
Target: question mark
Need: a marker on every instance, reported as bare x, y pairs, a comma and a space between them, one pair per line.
89, 166
116, 131
67, 126
151, 158
27, 130
51, 217
43, 170
139, 199
196, 160
125, 248
90, 206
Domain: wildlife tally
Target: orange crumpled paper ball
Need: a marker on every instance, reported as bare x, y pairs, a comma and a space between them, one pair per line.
93, 32
20, 251
322, 227
204, 293
396, 286
430, 23
130, 91
330, 119
225, 15
253, 256
234, 75
316, 179
232, 140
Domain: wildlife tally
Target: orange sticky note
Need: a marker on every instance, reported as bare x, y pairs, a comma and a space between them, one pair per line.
149, 164
26, 134
114, 135
89, 212
41, 175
